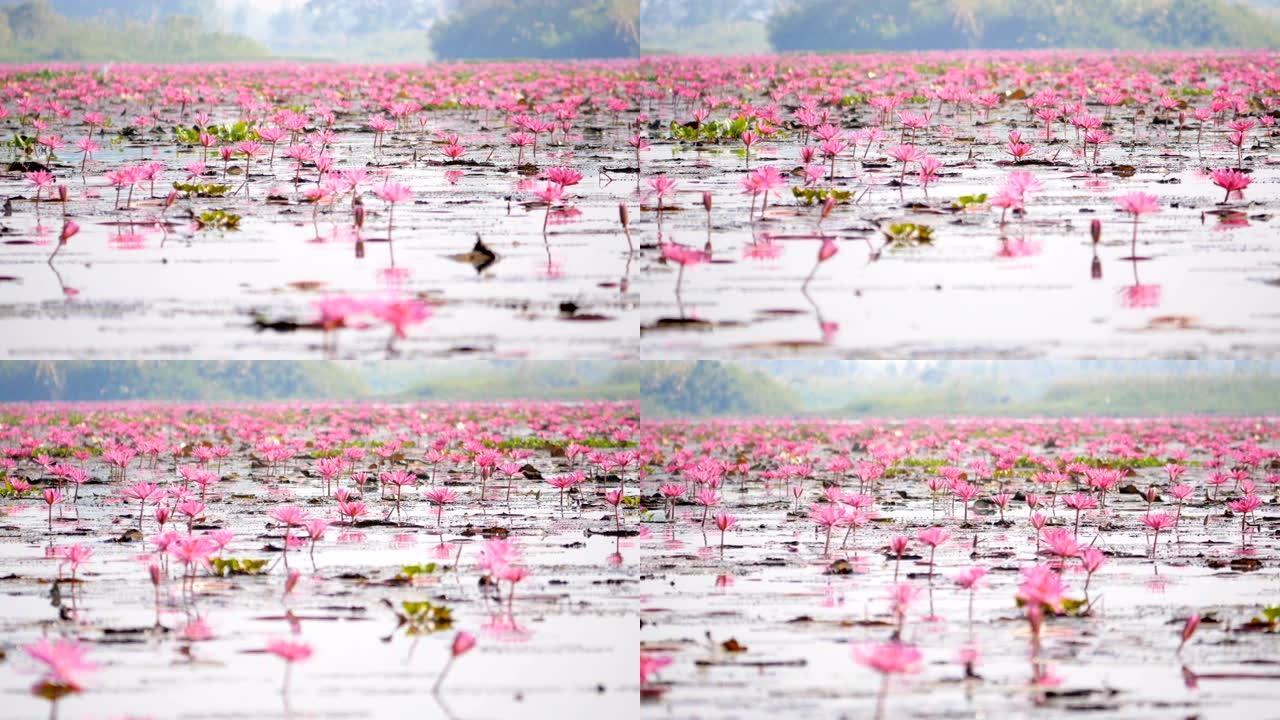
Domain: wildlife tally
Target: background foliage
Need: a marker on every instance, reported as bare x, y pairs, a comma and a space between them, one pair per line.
1007, 24
950, 388
538, 29
194, 381
34, 31
422, 30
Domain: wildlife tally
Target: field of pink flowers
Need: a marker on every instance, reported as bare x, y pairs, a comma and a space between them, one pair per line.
960, 568
993, 204
539, 559
317, 561
472, 559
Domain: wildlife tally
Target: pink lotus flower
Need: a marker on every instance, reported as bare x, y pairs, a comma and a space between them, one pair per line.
440, 496
683, 254
1157, 521
662, 186
1189, 629
401, 314
289, 650
463, 642
969, 578
891, 658
1041, 586
1138, 204
393, 193
551, 193
564, 176
1140, 296
352, 510
289, 515
650, 664
1230, 180
724, 521
65, 662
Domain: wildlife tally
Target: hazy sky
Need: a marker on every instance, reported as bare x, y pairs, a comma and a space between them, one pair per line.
268, 6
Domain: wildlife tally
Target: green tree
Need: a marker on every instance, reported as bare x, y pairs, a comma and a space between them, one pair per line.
40, 34
357, 17
834, 25
480, 29
705, 388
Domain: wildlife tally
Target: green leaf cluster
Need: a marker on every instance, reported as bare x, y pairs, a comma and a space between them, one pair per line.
423, 617
218, 220
836, 25
817, 196
227, 133
908, 233
224, 567
412, 571
711, 131
206, 190
965, 202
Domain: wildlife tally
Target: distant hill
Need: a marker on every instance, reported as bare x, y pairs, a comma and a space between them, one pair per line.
581, 380
547, 29
706, 388
196, 381
140, 10
1133, 396
833, 25
36, 31
188, 30
828, 385
759, 26
177, 381
947, 388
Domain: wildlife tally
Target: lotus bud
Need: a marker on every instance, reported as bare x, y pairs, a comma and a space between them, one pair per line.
1189, 629
706, 201
69, 228
827, 250
623, 215
1095, 230
462, 642
827, 206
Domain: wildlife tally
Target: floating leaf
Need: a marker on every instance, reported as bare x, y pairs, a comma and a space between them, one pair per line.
712, 131
53, 691
964, 202
812, 196
423, 617
218, 220
202, 189
236, 566
909, 234
411, 571
1074, 606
